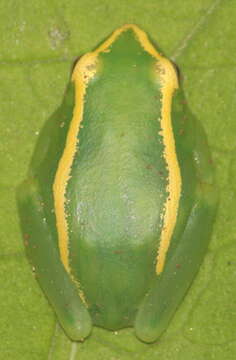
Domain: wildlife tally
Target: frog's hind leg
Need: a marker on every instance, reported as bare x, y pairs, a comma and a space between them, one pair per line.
171, 285
50, 272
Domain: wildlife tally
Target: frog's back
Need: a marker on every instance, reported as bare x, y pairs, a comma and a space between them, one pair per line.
116, 189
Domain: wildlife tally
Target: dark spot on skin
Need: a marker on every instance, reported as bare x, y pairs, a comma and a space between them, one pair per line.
178, 266
181, 132
149, 166
122, 134
26, 237
117, 252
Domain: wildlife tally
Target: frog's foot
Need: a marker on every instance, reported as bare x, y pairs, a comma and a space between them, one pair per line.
171, 285
43, 252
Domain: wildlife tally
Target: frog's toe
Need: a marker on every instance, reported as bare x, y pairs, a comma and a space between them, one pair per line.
145, 333
77, 329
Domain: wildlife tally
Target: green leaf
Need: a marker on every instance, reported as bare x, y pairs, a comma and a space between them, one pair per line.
39, 42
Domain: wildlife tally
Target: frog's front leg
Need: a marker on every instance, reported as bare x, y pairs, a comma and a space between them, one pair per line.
171, 285
44, 256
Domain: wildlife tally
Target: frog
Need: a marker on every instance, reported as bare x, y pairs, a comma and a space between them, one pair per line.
120, 199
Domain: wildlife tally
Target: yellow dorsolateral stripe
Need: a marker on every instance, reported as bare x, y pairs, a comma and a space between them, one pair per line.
81, 76
174, 178
84, 70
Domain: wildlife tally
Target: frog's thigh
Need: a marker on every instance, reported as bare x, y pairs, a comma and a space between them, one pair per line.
44, 256
171, 285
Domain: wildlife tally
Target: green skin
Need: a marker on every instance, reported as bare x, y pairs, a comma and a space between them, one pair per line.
117, 191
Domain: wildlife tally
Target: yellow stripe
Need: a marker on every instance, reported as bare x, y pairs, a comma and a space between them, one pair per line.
84, 73
174, 178
85, 69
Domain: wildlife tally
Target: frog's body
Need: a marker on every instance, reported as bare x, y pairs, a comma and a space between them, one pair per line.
119, 198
